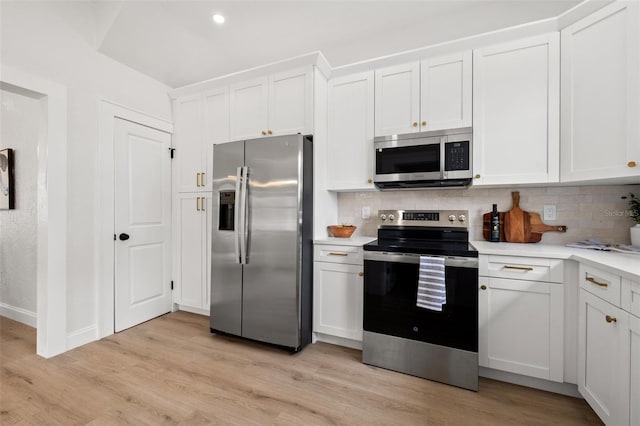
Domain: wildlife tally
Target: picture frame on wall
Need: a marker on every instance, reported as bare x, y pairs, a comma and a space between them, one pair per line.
7, 196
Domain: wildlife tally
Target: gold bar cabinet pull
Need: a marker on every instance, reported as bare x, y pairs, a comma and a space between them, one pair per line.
333, 253
519, 268
610, 319
593, 280
197, 179
197, 204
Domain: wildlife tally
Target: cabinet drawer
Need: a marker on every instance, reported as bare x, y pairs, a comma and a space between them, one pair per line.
600, 283
631, 296
338, 254
522, 268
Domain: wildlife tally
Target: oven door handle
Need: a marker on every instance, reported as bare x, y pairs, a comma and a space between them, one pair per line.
453, 261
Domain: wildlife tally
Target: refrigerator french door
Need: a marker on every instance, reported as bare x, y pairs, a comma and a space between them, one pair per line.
261, 257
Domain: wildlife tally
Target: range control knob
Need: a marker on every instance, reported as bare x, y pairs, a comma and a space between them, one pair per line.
452, 218
462, 218
392, 217
383, 217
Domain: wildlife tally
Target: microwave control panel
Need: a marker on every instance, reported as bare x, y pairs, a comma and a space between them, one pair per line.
456, 156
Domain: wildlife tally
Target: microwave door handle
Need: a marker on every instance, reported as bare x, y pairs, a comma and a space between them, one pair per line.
243, 216
236, 217
443, 157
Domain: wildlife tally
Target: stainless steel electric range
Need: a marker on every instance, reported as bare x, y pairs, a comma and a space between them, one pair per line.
399, 332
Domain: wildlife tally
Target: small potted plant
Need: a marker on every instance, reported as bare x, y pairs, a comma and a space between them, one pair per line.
634, 208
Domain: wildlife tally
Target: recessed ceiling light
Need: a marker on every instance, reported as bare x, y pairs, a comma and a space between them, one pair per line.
218, 19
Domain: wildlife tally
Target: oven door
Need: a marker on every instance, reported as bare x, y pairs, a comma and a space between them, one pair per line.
390, 290
419, 159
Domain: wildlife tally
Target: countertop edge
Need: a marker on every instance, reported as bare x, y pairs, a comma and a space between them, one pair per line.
352, 241
625, 265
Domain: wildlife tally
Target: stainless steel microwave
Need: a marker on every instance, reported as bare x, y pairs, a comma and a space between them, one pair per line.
436, 159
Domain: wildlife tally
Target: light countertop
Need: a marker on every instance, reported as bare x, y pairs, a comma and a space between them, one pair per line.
352, 241
626, 265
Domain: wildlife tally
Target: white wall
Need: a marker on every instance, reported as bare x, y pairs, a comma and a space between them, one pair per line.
20, 117
587, 211
56, 41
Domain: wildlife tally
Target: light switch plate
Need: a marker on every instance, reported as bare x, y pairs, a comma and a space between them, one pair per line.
549, 212
366, 212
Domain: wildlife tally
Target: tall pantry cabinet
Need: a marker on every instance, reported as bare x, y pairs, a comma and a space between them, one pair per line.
248, 105
201, 121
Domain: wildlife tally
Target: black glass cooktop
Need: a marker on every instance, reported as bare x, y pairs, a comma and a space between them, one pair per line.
438, 241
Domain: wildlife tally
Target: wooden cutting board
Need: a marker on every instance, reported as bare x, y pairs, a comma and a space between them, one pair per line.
531, 224
517, 225
538, 228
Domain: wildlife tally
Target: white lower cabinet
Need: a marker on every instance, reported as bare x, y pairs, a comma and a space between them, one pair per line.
609, 345
603, 374
521, 320
338, 293
193, 249
634, 376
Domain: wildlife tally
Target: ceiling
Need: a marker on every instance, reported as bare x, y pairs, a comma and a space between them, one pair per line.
177, 43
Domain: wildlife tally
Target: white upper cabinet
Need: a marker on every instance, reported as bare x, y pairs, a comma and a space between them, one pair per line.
249, 101
397, 99
216, 127
601, 94
277, 105
445, 90
350, 132
434, 94
516, 112
188, 143
291, 102
201, 121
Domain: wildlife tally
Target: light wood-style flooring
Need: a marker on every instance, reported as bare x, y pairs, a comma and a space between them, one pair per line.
171, 370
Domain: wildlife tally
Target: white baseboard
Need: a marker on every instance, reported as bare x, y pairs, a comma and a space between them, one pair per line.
198, 311
531, 382
18, 314
335, 340
82, 337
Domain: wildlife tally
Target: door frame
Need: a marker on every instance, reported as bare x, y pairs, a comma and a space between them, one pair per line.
51, 197
109, 112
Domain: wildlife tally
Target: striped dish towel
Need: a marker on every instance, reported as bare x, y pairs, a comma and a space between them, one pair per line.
432, 292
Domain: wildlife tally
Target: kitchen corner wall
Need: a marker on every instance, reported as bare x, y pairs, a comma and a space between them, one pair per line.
587, 211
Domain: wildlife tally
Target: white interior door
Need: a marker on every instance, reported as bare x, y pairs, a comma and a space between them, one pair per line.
143, 213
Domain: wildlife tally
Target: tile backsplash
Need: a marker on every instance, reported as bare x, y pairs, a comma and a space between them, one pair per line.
587, 211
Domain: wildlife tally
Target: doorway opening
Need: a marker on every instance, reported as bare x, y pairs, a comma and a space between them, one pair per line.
45, 193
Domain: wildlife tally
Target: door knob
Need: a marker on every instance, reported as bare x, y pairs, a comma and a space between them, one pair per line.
123, 237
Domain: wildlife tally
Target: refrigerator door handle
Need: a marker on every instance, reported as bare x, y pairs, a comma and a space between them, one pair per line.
236, 217
243, 216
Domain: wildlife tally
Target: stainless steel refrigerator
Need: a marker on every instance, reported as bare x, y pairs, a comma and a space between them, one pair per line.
262, 248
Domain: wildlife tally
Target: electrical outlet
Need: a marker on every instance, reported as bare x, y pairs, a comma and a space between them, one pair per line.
366, 212
549, 212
